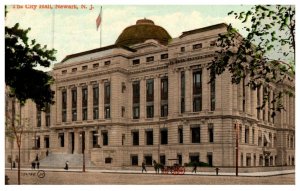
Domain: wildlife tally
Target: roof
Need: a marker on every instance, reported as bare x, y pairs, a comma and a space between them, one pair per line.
96, 50
143, 30
204, 29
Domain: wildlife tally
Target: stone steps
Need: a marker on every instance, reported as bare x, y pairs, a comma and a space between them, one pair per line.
59, 160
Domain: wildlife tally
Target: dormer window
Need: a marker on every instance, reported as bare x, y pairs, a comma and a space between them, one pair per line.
106, 63
96, 65
197, 46
74, 69
164, 56
136, 61
84, 67
150, 59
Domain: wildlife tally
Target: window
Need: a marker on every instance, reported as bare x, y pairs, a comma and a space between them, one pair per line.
84, 67
95, 139
61, 139
84, 103
108, 160
212, 43
107, 100
74, 69
38, 116
123, 87
211, 132
212, 93
64, 71
246, 134
259, 138
194, 157
47, 117
150, 90
148, 159
136, 99
258, 102
195, 132
164, 110
164, 136
180, 135
123, 111
244, 95
149, 137
182, 49
64, 105
197, 90
136, 61
96, 65
107, 112
162, 159
123, 139
253, 135
164, 56
106, 63
210, 159
74, 104
150, 59
135, 137
197, 46
182, 88
164, 88
46, 141
179, 157
134, 160
150, 111
95, 102
104, 137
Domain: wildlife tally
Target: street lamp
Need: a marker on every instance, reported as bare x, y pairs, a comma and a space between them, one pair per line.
82, 135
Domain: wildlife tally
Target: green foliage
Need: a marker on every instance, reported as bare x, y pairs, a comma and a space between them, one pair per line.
272, 28
22, 56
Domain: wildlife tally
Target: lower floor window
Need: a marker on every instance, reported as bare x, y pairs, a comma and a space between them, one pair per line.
148, 160
134, 160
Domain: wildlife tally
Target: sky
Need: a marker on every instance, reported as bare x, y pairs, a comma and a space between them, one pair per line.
71, 31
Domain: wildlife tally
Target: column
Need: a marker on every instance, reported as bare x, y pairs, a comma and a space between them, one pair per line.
43, 119
77, 142
156, 97
186, 134
42, 142
100, 138
248, 97
79, 103
254, 103
234, 97
129, 102
69, 105
90, 102
88, 140
240, 96
188, 90
206, 90
67, 141
260, 101
173, 91
101, 100
142, 98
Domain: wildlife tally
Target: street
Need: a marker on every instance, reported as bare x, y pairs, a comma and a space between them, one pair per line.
101, 178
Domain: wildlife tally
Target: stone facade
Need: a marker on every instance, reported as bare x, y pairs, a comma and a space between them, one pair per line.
131, 129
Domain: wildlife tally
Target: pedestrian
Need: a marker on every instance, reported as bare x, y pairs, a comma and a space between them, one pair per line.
67, 165
195, 168
33, 165
143, 167
37, 157
38, 164
155, 166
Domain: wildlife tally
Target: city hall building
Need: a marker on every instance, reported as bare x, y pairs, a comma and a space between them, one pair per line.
146, 98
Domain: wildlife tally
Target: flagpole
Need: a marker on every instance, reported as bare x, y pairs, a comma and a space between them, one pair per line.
101, 26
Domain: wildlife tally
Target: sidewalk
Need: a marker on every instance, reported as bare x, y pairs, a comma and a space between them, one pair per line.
250, 174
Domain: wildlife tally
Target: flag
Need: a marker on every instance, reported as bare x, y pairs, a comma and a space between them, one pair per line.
98, 21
